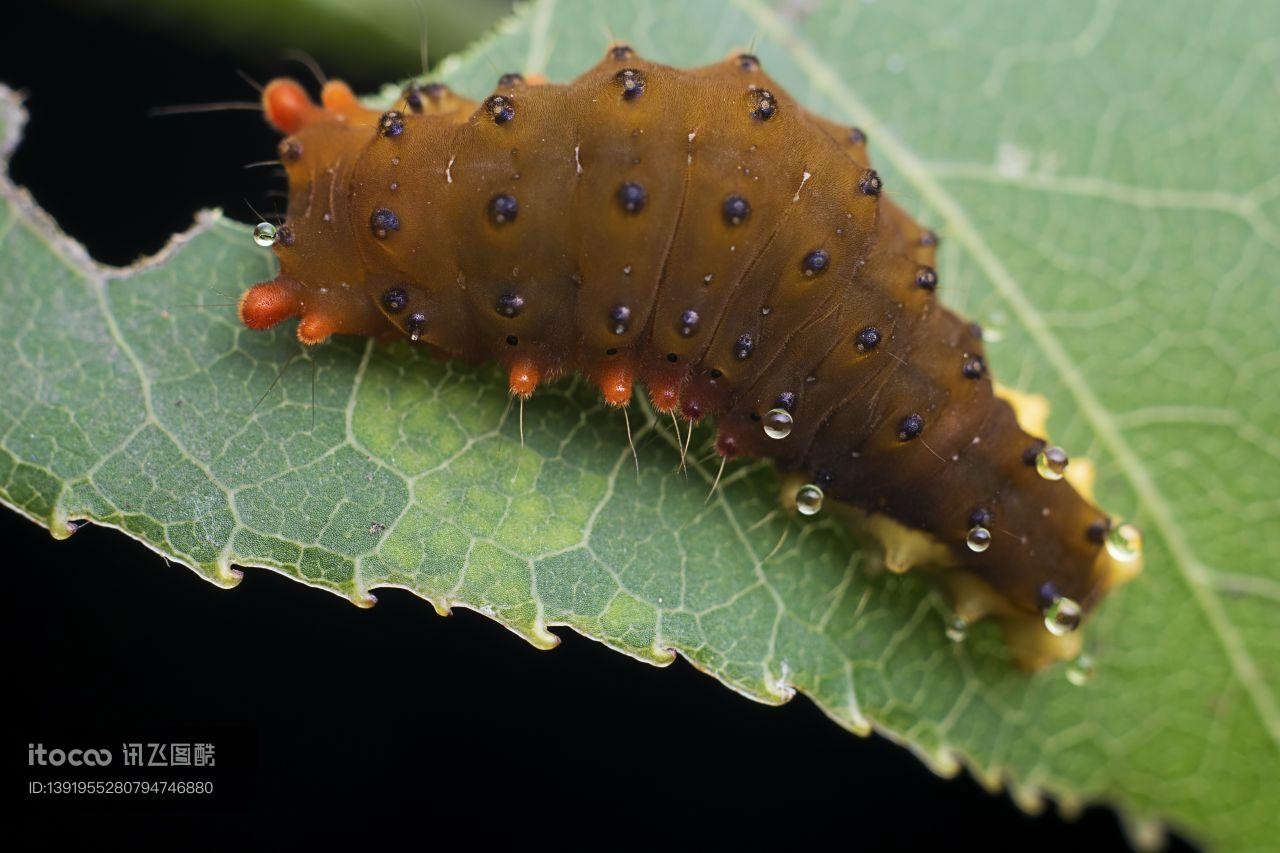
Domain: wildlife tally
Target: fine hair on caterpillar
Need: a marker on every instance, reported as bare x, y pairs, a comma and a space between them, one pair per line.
700, 233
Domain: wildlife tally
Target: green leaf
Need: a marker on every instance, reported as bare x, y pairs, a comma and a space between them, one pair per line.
1105, 181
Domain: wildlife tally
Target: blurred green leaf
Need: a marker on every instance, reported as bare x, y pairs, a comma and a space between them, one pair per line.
373, 36
1105, 179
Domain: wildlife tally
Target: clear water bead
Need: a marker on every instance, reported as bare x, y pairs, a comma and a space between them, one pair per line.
1051, 463
1124, 543
1062, 616
777, 423
1080, 671
809, 499
979, 539
264, 234
957, 629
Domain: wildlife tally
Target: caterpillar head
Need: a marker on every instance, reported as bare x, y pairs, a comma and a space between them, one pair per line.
330, 268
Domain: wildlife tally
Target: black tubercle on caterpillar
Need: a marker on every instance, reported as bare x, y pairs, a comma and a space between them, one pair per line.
703, 234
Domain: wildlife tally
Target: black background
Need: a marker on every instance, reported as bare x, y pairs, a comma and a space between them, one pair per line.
362, 712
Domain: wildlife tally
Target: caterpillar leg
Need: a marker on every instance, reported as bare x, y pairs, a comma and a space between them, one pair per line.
523, 378
270, 302
616, 382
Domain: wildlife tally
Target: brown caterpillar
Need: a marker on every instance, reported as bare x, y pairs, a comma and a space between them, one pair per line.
701, 233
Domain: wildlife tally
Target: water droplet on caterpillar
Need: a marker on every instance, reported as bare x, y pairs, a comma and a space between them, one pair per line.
957, 629
1081, 670
777, 423
1051, 463
1062, 616
264, 234
979, 539
809, 500
1124, 543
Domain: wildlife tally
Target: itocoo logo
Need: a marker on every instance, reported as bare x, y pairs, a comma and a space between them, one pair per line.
38, 756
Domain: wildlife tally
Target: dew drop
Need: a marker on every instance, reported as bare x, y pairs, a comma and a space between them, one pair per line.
1081, 670
264, 234
1125, 543
777, 423
979, 539
1062, 616
1051, 463
957, 629
809, 499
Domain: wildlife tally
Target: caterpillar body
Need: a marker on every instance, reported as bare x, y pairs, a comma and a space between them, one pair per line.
700, 233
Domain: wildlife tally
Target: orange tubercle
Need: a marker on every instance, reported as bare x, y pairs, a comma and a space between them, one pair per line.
337, 97
615, 383
288, 106
727, 444
316, 328
523, 378
265, 304
664, 390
